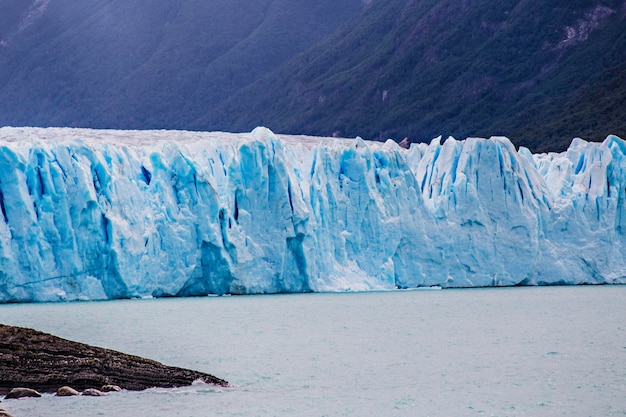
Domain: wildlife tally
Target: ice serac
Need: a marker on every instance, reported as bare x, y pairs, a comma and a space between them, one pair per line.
95, 214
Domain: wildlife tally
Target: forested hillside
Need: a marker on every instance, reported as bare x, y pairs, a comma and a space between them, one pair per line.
540, 73
146, 64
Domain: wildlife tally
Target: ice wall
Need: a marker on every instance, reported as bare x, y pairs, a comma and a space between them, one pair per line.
89, 214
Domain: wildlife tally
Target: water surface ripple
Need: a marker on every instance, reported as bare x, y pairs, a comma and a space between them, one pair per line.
541, 351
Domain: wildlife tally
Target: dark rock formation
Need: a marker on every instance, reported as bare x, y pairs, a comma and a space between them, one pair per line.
110, 388
66, 391
92, 392
4, 412
21, 392
29, 358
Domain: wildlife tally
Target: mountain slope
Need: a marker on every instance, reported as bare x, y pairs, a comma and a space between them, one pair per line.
143, 64
540, 73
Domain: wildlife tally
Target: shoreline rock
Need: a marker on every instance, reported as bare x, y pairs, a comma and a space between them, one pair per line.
66, 391
92, 392
21, 392
110, 388
43, 362
4, 412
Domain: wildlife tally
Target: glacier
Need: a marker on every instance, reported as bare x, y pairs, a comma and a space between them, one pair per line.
105, 214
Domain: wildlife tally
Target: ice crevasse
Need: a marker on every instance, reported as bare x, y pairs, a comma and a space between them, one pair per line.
105, 214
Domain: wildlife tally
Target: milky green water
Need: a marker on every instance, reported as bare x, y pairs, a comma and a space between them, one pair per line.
545, 351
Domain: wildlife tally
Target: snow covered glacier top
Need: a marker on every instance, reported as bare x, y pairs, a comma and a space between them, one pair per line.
97, 214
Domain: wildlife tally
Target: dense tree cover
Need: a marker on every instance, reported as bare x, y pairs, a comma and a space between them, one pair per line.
145, 64
540, 73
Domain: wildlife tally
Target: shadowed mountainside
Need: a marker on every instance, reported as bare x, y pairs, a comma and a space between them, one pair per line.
143, 64
540, 73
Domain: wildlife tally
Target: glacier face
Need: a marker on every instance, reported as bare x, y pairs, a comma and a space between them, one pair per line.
96, 214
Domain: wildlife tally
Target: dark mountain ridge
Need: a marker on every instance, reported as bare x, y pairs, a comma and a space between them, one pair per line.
540, 73
145, 64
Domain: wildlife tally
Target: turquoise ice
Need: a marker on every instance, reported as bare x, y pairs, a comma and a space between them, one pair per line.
103, 214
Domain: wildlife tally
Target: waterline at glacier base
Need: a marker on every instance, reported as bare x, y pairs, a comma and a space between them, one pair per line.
104, 214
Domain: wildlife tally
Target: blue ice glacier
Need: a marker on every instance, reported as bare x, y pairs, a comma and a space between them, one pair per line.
99, 214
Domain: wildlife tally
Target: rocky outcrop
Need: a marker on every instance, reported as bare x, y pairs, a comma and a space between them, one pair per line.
21, 392
4, 412
66, 391
43, 362
92, 392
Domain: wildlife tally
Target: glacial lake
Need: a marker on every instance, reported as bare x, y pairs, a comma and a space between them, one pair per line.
537, 351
